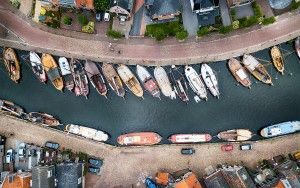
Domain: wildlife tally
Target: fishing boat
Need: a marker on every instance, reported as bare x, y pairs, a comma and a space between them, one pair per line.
113, 79
179, 84
95, 77
37, 67
280, 129
239, 72
130, 80
12, 108
235, 135
297, 46
164, 83
12, 64
87, 132
148, 81
139, 139
210, 80
257, 69
43, 118
195, 82
277, 59
52, 71
189, 138
66, 73
80, 78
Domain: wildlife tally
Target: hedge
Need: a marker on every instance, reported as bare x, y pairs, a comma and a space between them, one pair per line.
181, 35
114, 34
162, 30
269, 20
203, 31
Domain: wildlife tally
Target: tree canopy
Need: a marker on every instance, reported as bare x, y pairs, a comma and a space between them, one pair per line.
101, 5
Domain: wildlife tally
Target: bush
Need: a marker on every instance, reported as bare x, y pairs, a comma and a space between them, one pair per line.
257, 10
269, 20
247, 22
101, 5
114, 34
235, 24
82, 19
163, 30
233, 14
295, 5
67, 20
203, 31
225, 29
181, 35
54, 24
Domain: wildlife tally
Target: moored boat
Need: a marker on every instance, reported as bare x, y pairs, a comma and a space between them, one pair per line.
164, 83
297, 46
189, 138
52, 71
239, 72
95, 77
277, 59
113, 79
179, 84
80, 78
12, 108
12, 64
210, 80
66, 73
195, 82
148, 81
235, 135
37, 67
139, 139
38, 117
257, 69
87, 132
280, 129
130, 80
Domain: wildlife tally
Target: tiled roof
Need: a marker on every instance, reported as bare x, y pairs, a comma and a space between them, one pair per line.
125, 4
165, 7
69, 175
216, 180
89, 4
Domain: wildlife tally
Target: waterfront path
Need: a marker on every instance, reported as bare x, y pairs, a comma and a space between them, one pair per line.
126, 166
141, 51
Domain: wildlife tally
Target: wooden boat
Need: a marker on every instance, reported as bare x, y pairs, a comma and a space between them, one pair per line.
87, 132
297, 46
189, 138
95, 77
12, 64
280, 129
148, 81
210, 80
277, 59
164, 83
179, 84
43, 118
239, 72
52, 71
37, 67
113, 79
12, 108
235, 135
195, 82
257, 69
130, 80
66, 73
139, 139
80, 78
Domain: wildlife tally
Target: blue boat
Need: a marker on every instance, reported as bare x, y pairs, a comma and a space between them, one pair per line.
280, 129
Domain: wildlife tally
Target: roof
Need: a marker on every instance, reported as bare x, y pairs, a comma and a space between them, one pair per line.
164, 7
21, 180
125, 4
216, 180
291, 172
162, 178
89, 4
61, 2
43, 176
237, 176
202, 4
189, 180
69, 175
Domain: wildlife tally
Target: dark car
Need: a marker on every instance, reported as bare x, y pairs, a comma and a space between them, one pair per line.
149, 183
94, 170
52, 145
95, 162
187, 151
99, 16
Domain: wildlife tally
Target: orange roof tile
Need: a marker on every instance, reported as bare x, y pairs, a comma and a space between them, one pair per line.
162, 178
89, 4
18, 181
190, 182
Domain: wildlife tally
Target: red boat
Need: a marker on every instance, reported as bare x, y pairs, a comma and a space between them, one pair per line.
189, 138
139, 139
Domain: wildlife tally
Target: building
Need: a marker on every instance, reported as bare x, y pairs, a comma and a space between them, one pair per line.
69, 175
235, 3
216, 180
2, 152
86, 4
43, 177
290, 173
237, 176
163, 9
123, 8
17, 180
207, 11
187, 180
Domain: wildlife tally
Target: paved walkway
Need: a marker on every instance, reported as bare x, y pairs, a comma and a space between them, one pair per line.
190, 20
148, 52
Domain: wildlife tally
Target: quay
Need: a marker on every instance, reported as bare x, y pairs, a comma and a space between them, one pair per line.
26, 35
127, 166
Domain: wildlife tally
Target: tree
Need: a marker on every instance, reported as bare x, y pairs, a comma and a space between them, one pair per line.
82, 19
101, 5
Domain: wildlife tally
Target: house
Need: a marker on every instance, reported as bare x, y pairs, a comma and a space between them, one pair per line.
69, 175
2, 152
163, 9
236, 3
17, 180
123, 8
43, 176
207, 11
290, 172
187, 180
216, 180
237, 176
85, 4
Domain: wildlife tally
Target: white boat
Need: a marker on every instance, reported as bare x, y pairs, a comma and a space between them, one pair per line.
210, 80
37, 67
195, 82
66, 73
87, 132
280, 129
189, 138
297, 46
148, 81
163, 82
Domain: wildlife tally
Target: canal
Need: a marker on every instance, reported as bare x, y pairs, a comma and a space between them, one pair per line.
238, 107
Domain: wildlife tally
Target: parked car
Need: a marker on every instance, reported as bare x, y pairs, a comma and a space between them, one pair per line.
95, 162
187, 151
52, 145
9, 156
98, 16
149, 183
246, 147
106, 16
227, 147
22, 151
94, 170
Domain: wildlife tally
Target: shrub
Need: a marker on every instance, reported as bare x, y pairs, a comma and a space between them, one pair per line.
233, 14
15, 3
235, 24
67, 20
181, 35
82, 19
159, 34
269, 20
114, 34
295, 5
225, 29
247, 22
101, 5
257, 10
203, 31
163, 30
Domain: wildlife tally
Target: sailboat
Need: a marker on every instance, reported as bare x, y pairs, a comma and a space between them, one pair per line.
113, 79
195, 82
46, 119
277, 59
297, 46
179, 84
12, 64
210, 80
235, 135
12, 108
95, 77
80, 78
148, 81
37, 67
164, 83
239, 72
66, 73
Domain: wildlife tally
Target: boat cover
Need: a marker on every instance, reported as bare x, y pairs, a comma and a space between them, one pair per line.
241, 73
64, 66
53, 74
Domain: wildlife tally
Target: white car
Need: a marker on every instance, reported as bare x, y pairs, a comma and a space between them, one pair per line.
22, 150
106, 16
9, 156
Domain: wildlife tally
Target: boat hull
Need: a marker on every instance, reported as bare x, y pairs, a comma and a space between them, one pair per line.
12, 108
139, 139
113, 79
12, 64
189, 138
87, 132
239, 72
163, 82
179, 84
235, 135
148, 81
80, 78
297, 46
195, 82
37, 67
277, 59
43, 118
280, 129
95, 77
51, 69
210, 80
